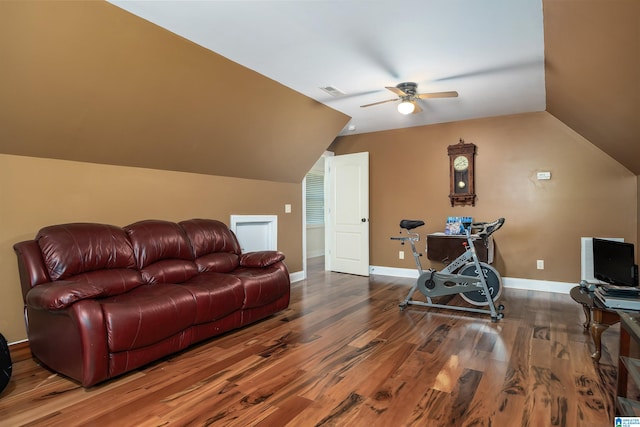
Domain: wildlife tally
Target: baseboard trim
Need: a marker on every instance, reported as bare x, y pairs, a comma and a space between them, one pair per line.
315, 254
508, 282
538, 285
19, 350
411, 273
297, 276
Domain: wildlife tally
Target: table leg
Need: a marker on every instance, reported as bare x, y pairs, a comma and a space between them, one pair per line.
587, 316
596, 333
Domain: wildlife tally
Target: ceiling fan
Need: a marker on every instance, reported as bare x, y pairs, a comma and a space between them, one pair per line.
407, 94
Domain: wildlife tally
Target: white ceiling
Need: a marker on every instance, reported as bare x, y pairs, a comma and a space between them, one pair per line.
490, 51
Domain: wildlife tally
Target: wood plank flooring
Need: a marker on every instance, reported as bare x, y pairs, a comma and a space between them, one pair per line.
343, 354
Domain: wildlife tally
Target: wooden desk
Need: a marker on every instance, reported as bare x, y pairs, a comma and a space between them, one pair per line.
444, 248
598, 318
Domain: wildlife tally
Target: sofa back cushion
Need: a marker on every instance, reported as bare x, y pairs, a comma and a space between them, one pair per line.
162, 251
71, 249
215, 247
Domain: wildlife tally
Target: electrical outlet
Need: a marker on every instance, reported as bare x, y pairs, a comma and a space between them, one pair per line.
540, 264
401, 255
287, 208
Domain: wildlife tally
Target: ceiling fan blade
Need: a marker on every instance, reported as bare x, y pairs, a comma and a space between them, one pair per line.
450, 94
397, 91
495, 70
379, 102
417, 108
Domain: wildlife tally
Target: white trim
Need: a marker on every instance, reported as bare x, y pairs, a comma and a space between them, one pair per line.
304, 226
268, 221
297, 276
394, 272
538, 285
304, 212
17, 342
508, 282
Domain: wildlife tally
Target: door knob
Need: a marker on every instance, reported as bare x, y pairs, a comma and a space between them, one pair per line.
364, 220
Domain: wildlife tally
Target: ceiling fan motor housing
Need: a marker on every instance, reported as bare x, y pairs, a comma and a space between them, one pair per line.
410, 88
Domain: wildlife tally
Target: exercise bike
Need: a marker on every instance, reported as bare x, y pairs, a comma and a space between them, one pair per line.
476, 282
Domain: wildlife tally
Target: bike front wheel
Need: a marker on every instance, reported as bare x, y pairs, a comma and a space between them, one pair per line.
491, 277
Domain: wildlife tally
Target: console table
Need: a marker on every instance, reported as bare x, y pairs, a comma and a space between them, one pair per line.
598, 318
445, 248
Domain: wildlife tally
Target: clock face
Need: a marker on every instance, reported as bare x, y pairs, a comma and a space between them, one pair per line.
460, 163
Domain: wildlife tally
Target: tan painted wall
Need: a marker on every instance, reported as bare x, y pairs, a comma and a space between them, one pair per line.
589, 194
38, 192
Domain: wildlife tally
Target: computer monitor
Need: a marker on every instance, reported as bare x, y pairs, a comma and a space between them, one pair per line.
614, 262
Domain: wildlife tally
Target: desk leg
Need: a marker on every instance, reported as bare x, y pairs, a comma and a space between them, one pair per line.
587, 316
600, 322
596, 333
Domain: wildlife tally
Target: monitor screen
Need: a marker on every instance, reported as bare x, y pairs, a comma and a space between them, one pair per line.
613, 262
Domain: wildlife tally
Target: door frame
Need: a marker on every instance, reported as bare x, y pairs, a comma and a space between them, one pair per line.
304, 215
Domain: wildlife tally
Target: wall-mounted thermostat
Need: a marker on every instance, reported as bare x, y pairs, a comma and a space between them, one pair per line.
544, 175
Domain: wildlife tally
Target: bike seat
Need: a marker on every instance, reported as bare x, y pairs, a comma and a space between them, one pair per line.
410, 224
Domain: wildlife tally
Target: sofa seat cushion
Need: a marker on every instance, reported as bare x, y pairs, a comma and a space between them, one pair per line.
263, 285
147, 315
216, 295
221, 262
169, 271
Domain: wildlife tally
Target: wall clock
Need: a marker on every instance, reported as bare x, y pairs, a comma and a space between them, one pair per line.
461, 174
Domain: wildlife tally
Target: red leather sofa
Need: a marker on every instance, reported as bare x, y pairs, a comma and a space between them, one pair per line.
101, 300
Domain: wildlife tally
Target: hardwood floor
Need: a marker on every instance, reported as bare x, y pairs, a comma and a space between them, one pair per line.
343, 354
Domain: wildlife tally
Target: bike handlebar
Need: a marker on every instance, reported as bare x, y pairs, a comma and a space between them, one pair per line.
487, 228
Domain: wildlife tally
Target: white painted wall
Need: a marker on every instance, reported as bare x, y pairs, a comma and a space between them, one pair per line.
315, 241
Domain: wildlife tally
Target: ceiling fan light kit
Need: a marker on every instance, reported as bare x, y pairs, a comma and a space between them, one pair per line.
406, 107
407, 94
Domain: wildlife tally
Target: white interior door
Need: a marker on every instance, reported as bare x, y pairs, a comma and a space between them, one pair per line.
348, 214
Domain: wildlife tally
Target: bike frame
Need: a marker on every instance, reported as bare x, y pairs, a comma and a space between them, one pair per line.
462, 283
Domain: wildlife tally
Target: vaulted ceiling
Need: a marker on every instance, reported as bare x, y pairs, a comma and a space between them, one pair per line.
233, 88
592, 57
495, 54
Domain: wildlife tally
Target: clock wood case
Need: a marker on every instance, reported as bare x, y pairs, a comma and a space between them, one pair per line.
461, 174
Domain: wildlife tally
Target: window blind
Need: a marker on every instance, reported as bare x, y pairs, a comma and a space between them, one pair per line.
315, 198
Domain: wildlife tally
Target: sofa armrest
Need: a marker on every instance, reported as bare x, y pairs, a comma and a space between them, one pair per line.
260, 258
72, 341
61, 294
30, 266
